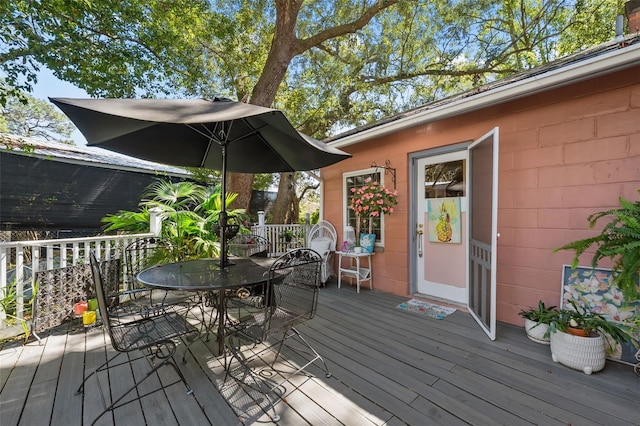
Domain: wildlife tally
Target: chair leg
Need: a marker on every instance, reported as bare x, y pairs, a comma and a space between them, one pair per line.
164, 358
311, 352
165, 361
317, 356
80, 389
255, 378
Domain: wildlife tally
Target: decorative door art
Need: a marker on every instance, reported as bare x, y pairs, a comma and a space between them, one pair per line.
445, 221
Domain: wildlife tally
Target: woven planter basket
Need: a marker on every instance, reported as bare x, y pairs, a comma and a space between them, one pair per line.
536, 331
580, 353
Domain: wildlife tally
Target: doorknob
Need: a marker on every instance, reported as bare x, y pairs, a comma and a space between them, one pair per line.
419, 231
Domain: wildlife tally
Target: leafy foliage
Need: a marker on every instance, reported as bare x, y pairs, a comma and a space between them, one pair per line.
581, 317
619, 240
109, 47
372, 199
189, 213
33, 117
330, 65
541, 314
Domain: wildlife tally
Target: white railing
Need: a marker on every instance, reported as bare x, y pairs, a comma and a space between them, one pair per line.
277, 241
20, 260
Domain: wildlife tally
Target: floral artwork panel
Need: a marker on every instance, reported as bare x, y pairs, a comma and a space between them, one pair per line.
444, 220
596, 289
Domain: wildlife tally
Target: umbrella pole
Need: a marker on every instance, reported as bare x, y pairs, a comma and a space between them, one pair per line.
224, 261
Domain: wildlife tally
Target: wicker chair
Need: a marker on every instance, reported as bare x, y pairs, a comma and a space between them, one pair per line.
322, 239
292, 297
154, 336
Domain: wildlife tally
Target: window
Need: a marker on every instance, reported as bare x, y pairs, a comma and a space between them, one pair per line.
355, 180
445, 179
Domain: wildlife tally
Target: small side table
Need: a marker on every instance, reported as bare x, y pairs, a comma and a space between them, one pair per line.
361, 274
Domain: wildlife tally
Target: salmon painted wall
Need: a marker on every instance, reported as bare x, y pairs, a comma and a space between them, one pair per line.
564, 154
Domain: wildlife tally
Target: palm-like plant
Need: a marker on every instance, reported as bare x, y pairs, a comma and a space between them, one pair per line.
188, 212
619, 241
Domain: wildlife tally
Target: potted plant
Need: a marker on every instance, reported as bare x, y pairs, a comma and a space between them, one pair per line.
287, 235
536, 322
579, 337
370, 201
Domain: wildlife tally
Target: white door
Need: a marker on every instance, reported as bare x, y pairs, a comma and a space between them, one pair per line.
456, 220
441, 203
483, 230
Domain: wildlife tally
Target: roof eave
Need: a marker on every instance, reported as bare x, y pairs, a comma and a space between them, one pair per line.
606, 63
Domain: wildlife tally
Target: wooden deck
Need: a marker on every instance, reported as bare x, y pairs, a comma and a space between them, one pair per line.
390, 367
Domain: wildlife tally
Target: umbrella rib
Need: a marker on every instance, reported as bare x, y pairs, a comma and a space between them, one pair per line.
212, 136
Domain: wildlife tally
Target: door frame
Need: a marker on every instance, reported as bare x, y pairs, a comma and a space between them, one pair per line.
413, 220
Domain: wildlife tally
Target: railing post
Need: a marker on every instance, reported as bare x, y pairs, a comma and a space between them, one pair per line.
261, 216
155, 222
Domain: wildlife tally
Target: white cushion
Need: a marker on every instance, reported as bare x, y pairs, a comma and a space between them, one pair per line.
321, 245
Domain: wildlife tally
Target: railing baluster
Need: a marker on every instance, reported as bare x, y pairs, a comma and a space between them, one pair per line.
59, 253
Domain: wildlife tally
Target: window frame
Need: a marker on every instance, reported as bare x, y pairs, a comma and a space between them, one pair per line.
347, 214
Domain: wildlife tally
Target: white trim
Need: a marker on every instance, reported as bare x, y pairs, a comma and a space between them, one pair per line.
447, 293
605, 63
345, 207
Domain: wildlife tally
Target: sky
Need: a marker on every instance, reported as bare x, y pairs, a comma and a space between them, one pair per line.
50, 86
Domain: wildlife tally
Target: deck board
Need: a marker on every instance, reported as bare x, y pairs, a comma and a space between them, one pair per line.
389, 367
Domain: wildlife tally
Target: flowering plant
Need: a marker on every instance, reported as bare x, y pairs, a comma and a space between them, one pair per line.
372, 200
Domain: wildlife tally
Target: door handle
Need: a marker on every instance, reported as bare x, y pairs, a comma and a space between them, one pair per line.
419, 232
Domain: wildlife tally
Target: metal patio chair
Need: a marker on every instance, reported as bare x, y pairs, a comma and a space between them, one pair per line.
247, 245
322, 238
292, 298
144, 253
154, 336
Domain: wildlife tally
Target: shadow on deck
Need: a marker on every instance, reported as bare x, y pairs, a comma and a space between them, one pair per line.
390, 367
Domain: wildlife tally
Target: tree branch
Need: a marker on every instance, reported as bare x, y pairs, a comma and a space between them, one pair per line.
305, 44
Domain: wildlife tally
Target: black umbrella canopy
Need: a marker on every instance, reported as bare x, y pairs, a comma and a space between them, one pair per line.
193, 132
218, 134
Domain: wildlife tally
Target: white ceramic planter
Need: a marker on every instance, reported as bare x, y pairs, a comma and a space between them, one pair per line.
580, 353
536, 331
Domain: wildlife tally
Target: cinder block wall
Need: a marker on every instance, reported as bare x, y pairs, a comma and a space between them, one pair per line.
564, 154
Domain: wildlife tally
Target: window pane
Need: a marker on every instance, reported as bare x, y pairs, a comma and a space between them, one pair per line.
445, 180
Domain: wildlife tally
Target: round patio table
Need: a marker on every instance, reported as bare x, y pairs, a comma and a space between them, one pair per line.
206, 275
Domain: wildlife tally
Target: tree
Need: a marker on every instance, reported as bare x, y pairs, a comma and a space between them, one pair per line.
35, 118
329, 64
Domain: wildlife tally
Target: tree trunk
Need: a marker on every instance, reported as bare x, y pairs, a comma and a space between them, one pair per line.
242, 184
285, 198
284, 47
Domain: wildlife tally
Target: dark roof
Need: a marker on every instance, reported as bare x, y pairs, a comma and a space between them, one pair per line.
96, 157
49, 185
537, 71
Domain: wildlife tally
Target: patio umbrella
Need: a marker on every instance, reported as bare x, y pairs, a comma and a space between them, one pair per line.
218, 134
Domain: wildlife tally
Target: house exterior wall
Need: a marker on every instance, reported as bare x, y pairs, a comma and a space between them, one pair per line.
564, 154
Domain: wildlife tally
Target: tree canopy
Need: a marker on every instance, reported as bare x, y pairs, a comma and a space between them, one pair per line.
328, 64
28, 116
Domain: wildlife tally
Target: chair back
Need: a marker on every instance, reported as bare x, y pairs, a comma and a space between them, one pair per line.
247, 245
292, 290
98, 284
322, 238
146, 252
323, 229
